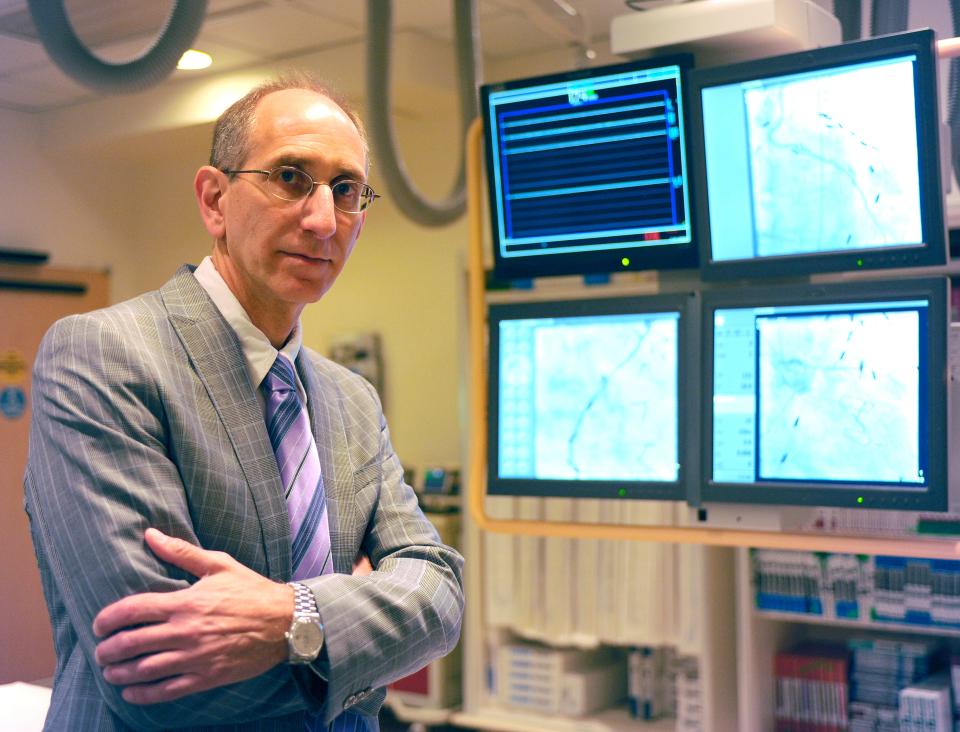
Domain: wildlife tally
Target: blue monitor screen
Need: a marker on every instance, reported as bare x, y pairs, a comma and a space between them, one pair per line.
585, 396
817, 393
830, 394
813, 162
833, 152
587, 171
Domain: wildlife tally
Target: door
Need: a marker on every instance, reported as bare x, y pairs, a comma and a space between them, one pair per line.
31, 299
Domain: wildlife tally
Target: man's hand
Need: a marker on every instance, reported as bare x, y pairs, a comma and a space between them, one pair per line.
227, 627
362, 565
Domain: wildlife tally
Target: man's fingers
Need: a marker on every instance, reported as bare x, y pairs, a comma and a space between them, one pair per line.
147, 607
146, 669
198, 562
127, 644
164, 690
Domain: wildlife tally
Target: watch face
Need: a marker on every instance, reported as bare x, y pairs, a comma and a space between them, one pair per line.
306, 637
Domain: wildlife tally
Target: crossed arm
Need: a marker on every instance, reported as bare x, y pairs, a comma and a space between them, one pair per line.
229, 626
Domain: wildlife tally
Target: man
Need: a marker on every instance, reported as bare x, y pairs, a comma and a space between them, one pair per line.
188, 459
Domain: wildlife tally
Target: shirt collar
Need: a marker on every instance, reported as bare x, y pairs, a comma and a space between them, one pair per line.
259, 354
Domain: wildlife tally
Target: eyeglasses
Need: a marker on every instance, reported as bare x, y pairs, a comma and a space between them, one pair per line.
292, 184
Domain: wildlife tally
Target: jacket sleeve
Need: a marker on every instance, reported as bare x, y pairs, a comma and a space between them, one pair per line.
98, 474
392, 622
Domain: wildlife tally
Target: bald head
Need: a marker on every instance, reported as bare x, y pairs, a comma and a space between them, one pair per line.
232, 132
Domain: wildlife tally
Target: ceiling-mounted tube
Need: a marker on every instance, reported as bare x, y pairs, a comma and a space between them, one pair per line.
407, 197
850, 15
953, 93
153, 66
889, 16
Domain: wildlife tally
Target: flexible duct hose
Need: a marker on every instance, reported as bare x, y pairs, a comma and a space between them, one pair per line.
850, 15
153, 66
953, 94
408, 198
889, 16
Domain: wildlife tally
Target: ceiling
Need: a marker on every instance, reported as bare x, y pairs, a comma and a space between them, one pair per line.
247, 33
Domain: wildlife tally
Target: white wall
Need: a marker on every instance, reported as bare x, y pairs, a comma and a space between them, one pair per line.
54, 204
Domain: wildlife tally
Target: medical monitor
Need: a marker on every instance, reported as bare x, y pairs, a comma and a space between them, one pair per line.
827, 395
593, 398
825, 160
587, 171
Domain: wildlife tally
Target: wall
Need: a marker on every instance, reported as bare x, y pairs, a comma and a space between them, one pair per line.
53, 204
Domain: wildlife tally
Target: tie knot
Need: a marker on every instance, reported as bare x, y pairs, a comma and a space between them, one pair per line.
280, 378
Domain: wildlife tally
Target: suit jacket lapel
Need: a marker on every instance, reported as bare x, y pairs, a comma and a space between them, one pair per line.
331, 439
218, 359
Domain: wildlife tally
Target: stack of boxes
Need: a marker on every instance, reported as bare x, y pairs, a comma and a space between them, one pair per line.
567, 682
880, 668
652, 682
811, 689
926, 706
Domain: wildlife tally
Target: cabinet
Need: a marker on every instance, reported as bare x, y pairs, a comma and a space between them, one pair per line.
677, 595
761, 634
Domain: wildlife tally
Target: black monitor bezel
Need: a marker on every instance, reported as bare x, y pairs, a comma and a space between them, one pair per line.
809, 493
931, 251
666, 256
687, 306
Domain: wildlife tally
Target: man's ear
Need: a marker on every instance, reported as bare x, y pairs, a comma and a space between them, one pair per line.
209, 185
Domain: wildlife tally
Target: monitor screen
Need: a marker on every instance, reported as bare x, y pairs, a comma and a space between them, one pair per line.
587, 397
821, 161
588, 172
827, 395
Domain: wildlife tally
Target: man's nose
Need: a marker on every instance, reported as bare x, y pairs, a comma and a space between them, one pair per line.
319, 214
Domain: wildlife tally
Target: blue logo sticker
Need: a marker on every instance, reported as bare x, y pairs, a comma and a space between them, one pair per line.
13, 401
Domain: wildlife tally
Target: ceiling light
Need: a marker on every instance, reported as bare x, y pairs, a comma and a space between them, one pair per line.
193, 60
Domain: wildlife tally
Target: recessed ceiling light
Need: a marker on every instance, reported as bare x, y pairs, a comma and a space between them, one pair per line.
192, 60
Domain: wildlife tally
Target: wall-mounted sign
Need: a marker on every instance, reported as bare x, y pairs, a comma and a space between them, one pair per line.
13, 401
13, 367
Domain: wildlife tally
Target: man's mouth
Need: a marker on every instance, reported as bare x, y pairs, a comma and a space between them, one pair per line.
307, 258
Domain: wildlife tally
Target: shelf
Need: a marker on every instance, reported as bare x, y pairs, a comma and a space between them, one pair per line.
610, 720
890, 627
410, 714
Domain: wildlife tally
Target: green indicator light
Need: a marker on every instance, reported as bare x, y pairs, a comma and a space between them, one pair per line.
859, 262
622, 492
625, 261
859, 499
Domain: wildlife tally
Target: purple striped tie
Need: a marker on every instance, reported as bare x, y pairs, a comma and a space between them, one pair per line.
299, 464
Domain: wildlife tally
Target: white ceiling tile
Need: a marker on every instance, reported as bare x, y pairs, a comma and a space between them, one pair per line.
512, 34
124, 51
433, 16
277, 30
18, 54
216, 7
352, 14
224, 56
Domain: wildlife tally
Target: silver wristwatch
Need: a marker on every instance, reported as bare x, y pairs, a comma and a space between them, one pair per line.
305, 637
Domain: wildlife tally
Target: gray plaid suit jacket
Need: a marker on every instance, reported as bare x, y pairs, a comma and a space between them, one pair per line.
143, 415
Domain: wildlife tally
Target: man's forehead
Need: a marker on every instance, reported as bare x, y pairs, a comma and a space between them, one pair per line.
300, 111
296, 118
